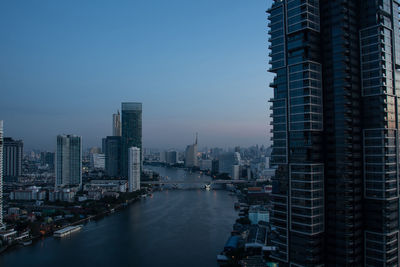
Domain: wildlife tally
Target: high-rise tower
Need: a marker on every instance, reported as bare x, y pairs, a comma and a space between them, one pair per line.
116, 124
12, 158
335, 132
131, 132
69, 161
1, 173
134, 155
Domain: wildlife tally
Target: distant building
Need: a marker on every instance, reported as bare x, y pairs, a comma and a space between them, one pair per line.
112, 152
12, 158
134, 154
1, 174
205, 164
65, 194
47, 159
69, 161
226, 162
107, 185
95, 150
215, 166
116, 131
235, 172
257, 214
191, 155
97, 161
169, 157
131, 132
31, 193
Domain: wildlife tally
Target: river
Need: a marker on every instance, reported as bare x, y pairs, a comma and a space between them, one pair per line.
171, 228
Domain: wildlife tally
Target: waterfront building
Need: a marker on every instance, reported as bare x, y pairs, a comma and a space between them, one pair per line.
12, 158
191, 155
134, 154
116, 130
69, 161
205, 164
1, 174
112, 150
335, 132
131, 132
169, 157
226, 162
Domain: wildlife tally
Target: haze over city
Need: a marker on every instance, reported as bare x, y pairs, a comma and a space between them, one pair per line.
196, 67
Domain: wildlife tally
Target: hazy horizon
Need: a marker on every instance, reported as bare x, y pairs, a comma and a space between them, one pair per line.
196, 67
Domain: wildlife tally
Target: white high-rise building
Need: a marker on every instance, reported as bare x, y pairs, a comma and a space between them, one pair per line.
69, 161
1, 174
134, 169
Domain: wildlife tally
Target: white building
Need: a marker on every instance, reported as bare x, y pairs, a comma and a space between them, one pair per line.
134, 169
235, 172
97, 161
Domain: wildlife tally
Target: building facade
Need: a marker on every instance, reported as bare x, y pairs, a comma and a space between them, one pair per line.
134, 155
12, 158
131, 132
113, 155
47, 158
191, 155
116, 124
1, 173
335, 132
69, 161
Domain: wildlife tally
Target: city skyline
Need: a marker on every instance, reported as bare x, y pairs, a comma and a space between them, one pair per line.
217, 72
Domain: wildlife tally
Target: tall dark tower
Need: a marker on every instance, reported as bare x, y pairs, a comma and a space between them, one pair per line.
131, 132
335, 132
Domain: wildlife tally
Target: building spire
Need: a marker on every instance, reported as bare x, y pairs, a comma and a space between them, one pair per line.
196, 138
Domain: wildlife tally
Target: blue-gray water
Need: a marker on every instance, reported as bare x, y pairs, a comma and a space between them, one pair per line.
173, 228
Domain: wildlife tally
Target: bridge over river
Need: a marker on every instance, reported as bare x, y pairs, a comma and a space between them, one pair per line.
162, 182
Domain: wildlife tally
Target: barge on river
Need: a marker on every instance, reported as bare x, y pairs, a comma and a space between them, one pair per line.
67, 231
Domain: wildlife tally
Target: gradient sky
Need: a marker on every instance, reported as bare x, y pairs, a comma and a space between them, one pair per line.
197, 66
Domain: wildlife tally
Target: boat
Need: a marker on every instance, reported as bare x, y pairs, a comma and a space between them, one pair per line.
207, 187
67, 231
26, 242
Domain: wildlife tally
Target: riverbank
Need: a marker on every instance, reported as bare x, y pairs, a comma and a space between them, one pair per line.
171, 228
111, 208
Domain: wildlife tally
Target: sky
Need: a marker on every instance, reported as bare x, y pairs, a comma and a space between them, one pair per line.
197, 66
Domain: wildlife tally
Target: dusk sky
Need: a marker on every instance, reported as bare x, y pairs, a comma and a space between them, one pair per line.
196, 65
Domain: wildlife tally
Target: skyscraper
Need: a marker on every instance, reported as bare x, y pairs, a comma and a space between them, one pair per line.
131, 132
134, 155
335, 132
12, 158
69, 161
1, 173
116, 124
113, 155
191, 155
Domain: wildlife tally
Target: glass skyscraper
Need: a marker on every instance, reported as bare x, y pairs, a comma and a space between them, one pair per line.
335, 132
112, 151
1, 173
69, 161
12, 158
131, 132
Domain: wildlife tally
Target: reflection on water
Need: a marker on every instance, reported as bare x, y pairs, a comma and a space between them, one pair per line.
173, 228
